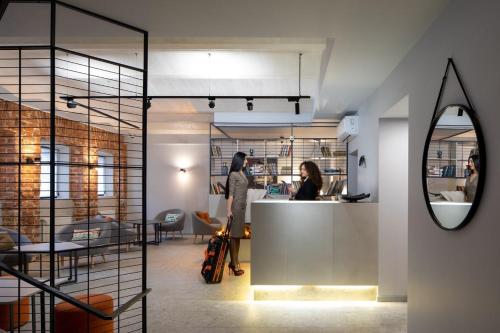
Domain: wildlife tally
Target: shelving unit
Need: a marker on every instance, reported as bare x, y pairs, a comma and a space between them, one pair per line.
446, 163
448, 159
274, 160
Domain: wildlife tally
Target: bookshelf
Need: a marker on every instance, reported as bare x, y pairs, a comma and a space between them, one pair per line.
273, 161
448, 159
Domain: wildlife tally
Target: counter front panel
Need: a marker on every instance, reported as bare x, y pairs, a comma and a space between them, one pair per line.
314, 243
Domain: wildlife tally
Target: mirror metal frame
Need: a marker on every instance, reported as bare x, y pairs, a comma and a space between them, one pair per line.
482, 175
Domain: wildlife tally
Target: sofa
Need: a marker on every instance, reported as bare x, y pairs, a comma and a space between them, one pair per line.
97, 246
202, 227
123, 233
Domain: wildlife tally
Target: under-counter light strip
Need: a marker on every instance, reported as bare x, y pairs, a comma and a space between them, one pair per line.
314, 293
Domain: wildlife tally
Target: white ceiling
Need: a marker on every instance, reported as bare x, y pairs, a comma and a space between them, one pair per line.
349, 47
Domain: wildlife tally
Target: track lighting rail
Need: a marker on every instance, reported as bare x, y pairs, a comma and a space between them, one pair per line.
289, 98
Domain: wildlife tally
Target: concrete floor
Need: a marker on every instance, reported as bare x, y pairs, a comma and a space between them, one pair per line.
182, 302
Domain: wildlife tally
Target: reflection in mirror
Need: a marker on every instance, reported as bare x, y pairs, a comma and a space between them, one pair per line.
453, 166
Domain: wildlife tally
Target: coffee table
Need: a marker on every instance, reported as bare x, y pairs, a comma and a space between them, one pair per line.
44, 248
156, 224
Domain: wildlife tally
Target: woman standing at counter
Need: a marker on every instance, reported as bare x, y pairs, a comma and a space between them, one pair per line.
310, 182
236, 195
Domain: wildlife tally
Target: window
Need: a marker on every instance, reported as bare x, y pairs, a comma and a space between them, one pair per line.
104, 175
45, 172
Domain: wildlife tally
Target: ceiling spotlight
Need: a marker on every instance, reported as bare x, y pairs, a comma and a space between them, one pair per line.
71, 103
148, 103
297, 107
211, 103
250, 104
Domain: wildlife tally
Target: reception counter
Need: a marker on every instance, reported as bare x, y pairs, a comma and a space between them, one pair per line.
314, 243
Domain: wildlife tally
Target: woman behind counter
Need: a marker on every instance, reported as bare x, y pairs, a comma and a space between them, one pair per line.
236, 195
310, 181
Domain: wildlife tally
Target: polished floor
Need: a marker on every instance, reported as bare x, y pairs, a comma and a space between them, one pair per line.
182, 302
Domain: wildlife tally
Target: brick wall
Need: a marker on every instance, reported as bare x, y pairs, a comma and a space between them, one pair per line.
35, 128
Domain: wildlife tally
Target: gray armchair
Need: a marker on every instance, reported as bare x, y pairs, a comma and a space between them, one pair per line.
177, 225
96, 246
201, 227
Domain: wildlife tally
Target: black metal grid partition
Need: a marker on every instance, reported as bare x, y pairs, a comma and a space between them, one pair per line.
72, 183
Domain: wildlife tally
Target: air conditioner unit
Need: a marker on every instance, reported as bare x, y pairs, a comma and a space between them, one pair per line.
348, 128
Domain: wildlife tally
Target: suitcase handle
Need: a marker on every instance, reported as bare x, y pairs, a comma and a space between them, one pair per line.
228, 227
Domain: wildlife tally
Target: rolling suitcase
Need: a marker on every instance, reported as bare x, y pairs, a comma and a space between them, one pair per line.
215, 256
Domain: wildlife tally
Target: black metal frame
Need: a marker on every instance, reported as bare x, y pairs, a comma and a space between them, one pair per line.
81, 305
480, 141
52, 47
218, 125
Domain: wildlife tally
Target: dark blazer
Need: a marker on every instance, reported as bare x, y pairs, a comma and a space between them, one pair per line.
308, 191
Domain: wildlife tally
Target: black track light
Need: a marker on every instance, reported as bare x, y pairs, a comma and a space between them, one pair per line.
211, 103
71, 103
297, 107
250, 104
148, 103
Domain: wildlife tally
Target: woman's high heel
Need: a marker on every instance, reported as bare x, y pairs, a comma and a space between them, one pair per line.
236, 270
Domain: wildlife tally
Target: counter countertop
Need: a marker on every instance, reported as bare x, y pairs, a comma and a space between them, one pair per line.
310, 201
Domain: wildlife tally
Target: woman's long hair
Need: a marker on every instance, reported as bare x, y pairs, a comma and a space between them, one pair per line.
236, 166
314, 173
477, 163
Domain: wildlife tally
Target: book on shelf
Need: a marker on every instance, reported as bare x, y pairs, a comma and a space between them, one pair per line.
332, 171
285, 151
216, 151
449, 171
325, 151
218, 188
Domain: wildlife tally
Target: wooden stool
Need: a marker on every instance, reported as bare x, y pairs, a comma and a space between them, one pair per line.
69, 318
20, 314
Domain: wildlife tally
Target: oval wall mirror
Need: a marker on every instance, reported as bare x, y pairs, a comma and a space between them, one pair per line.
453, 169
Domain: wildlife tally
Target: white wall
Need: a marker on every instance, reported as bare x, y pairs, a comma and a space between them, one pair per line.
453, 276
393, 210
167, 188
366, 144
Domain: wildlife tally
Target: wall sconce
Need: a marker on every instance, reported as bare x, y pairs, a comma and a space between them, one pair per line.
182, 175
